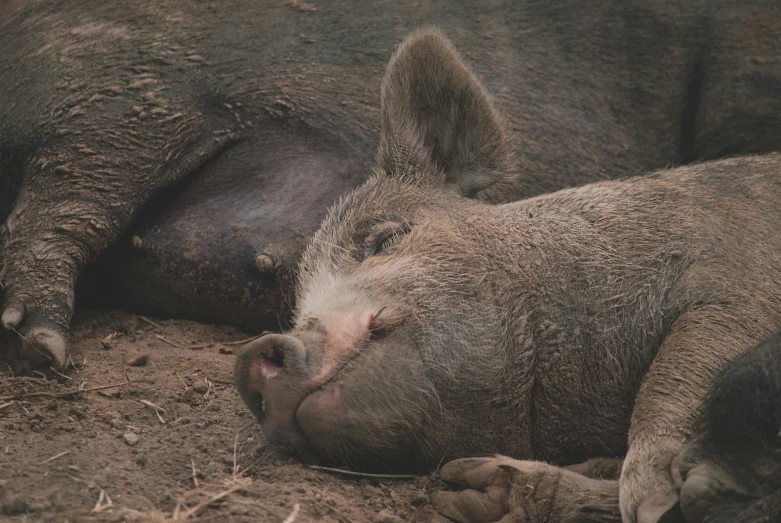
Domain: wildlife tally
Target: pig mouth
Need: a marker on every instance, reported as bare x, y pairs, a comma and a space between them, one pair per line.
275, 363
275, 393
302, 414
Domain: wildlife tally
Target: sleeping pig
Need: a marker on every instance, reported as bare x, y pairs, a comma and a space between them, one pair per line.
432, 324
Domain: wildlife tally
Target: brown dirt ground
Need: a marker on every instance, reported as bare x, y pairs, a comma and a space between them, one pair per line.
66, 458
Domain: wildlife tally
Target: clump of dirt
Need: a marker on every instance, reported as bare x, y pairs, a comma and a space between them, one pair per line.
160, 434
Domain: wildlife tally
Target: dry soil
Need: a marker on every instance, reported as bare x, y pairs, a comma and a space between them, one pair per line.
169, 440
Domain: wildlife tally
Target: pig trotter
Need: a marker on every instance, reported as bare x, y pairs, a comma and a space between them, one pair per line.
46, 244
37, 304
507, 490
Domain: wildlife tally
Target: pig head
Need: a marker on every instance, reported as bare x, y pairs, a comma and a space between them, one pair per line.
391, 358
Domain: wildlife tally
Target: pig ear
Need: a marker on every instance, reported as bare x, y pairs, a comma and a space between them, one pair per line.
437, 118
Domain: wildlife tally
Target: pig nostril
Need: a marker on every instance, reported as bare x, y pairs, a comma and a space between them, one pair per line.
276, 358
272, 363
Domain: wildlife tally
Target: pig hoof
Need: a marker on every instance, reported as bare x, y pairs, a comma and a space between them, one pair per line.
487, 495
708, 489
47, 346
41, 347
494, 488
13, 316
265, 263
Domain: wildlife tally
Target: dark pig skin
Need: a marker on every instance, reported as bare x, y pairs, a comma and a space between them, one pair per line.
730, 471
203, 257
104, 106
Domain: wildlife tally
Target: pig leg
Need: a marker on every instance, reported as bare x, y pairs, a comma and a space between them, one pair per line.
599, 468
507, 490
731, 469
697, 346
59, 225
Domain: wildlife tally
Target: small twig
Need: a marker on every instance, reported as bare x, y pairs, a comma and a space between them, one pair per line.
177, 346
222, 382
106, 342
60, 374
177, 509
31, 344
100, 500
153, 406
150, 322
100, 506
235, 452
164, 340
61, 454
4, 405
209, 387
293, 515
66, 393
186, 388
156, 408
341, 516
203, 504
364, 474
195, 474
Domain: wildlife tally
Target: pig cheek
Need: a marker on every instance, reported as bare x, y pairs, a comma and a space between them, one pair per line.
339, 415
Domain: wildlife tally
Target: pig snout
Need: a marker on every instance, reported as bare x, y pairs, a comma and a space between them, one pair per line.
285, 379
270, 374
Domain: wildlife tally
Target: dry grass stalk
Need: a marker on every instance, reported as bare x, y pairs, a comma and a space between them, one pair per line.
65, 394
363, 474
61, 454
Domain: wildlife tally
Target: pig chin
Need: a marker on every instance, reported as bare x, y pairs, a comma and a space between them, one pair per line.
349, 423
370, 413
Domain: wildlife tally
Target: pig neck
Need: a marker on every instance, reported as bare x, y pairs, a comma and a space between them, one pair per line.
585, 311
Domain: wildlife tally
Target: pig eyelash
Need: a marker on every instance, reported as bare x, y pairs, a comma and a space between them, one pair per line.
380, 242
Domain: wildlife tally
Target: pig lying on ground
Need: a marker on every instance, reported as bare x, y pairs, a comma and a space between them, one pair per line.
431, 325
269, 109
729, 472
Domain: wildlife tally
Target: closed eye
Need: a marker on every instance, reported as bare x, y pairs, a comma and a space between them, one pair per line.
380, 242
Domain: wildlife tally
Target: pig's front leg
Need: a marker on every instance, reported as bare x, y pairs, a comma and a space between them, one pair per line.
698, 345
507, 490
